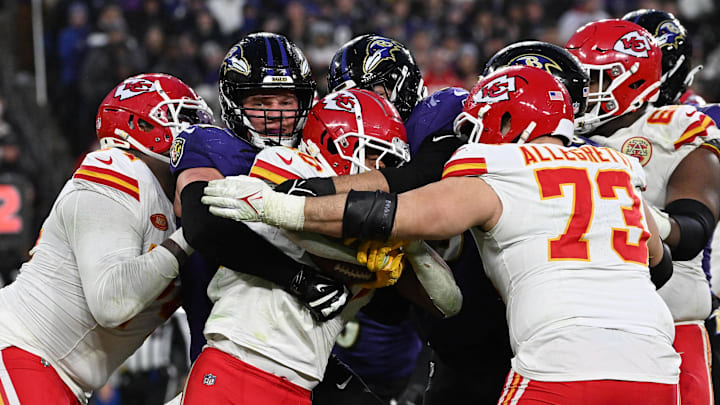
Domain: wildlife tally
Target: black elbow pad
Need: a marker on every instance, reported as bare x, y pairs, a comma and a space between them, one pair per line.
661, 272
369, 215
697, 225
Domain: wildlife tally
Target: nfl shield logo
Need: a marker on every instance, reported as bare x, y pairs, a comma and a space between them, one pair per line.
209, 380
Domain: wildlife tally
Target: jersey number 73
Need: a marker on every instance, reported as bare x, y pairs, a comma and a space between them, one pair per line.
571, 244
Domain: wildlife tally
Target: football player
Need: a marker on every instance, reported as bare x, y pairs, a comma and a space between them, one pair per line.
380, 345
575, 277
103, 271
266, 91
455, 375
677, 77
256, 325
673, 143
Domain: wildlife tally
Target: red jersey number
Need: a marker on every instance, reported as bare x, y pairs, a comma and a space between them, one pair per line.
571, 244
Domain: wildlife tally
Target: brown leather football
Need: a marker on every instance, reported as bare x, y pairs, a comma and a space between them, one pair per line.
345, 272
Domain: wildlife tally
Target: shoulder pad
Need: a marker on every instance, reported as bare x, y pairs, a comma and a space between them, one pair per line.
211, 146
678, 125
107, 170
468, 160
712, 111
280, 163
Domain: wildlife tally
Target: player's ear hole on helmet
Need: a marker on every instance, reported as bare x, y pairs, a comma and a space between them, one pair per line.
141, 124
505, 123
331, 145
636, 84
144, 125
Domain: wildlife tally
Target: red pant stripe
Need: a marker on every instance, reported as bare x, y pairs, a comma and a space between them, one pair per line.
9, 396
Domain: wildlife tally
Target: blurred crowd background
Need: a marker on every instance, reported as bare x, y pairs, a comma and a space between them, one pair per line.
49, 95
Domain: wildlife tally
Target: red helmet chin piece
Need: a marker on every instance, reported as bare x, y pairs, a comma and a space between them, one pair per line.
349, 128
624, 60
147, 111
516, 104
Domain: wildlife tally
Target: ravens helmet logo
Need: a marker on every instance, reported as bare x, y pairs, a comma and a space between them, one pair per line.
538, 61
234, 60
378, 51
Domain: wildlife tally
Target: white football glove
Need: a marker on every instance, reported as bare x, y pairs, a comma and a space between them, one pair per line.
244, 198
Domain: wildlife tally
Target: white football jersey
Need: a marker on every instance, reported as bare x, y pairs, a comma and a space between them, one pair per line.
257, 315
661, 139
112, 210
569, 257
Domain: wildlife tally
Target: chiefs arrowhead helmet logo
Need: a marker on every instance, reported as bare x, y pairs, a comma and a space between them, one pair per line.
342, 101
633, 43
133, 87
498, 89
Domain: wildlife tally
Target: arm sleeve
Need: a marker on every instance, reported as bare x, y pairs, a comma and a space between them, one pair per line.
231, 243
436, 278
426, 166
119, 280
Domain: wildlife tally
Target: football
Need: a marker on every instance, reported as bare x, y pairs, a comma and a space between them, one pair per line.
345, 272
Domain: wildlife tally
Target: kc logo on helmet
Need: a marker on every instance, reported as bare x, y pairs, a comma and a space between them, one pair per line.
134, 87
343, 101
498, 89
633, 43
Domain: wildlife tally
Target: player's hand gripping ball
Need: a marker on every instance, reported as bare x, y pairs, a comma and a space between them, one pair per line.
385, 259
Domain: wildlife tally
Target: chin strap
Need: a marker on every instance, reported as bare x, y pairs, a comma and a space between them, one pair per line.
137, 145
130, 143
526, 133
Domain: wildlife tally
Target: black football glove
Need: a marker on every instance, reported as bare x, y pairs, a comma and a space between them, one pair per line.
322, 295
313, 187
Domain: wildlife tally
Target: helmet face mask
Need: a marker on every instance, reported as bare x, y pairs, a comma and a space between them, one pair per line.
623, 61
676, 47
516, 104
553, 59
373, 62
147, 111
350, 129
265, 63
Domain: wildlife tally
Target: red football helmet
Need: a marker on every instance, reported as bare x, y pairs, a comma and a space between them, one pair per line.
516, 104
625, 62
147, 111
345, 127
